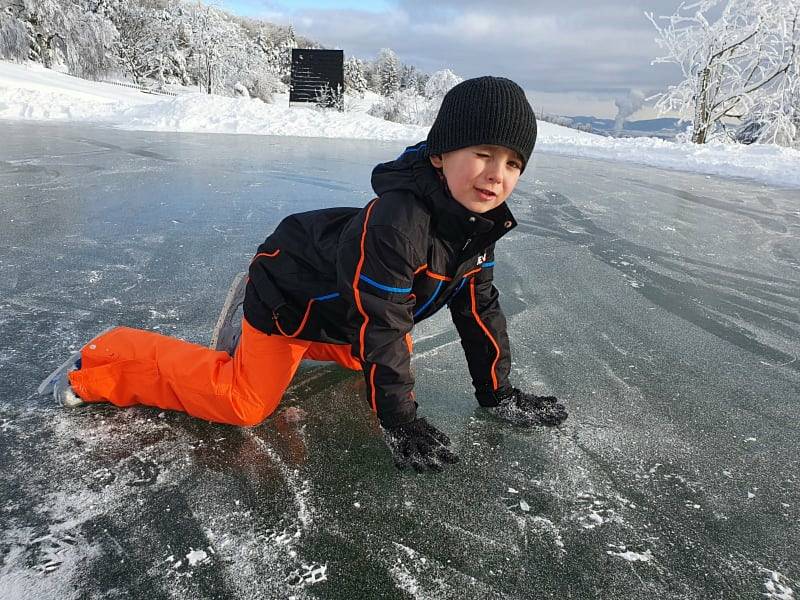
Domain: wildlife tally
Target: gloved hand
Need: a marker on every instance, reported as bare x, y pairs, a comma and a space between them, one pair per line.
522, 408
418, 444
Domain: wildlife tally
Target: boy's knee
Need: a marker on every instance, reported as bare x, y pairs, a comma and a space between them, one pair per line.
251, 411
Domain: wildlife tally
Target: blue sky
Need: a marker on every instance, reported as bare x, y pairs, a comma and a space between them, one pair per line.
571, 56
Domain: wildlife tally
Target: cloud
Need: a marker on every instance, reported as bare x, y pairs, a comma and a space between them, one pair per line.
602, 48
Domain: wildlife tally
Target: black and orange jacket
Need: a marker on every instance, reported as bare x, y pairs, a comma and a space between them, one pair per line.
365, 276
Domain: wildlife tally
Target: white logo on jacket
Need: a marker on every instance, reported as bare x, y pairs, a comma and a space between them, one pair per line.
482, 258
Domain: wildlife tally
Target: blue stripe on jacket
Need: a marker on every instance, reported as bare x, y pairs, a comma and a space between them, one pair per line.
430, 300
385, 288
327, 297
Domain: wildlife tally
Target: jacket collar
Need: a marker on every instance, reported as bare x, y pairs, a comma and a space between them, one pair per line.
453, 221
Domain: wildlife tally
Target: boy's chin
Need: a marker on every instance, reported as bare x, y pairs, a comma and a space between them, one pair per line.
477, 206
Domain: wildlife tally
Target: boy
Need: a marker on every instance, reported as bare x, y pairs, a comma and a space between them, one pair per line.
348, 285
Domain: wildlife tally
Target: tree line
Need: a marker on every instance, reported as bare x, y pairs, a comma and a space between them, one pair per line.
157, 42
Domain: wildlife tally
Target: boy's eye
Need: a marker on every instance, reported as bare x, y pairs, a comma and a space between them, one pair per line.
483, 154
515, 165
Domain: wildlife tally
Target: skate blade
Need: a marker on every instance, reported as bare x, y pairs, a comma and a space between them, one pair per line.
233, 300
46, 387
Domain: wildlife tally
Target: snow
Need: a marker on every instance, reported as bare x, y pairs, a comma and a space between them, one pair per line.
30, 92
645, 556
777, 587
196, 556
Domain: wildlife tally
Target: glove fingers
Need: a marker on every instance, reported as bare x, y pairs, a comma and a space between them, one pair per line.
440, 436
445, 455
400, 450
436, 434
418, 462
555, 415
433, 464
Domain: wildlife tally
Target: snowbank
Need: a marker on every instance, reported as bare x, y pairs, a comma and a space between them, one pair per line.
32, 92
772, 165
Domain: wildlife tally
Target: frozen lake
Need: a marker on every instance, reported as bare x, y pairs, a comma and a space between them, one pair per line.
662, 307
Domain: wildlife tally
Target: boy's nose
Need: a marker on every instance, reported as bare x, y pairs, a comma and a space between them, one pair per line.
494, 173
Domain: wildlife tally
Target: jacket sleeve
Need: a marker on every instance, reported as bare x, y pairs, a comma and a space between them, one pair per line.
376, 268
480, 322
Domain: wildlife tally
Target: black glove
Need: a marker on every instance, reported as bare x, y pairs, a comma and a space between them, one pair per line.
522, 408
418, 444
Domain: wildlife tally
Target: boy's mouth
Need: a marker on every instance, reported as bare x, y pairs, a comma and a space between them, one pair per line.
486, 194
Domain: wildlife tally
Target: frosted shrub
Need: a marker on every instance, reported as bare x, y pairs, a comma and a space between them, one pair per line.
329, 98
264, 85
404, 106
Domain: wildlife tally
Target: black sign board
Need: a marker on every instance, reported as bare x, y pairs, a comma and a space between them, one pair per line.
316, 74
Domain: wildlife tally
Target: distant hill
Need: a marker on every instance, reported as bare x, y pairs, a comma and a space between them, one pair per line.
664, 127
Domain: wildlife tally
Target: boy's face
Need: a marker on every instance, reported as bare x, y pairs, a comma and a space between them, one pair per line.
480, 178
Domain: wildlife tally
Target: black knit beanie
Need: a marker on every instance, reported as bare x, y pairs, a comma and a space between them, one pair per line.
484, 110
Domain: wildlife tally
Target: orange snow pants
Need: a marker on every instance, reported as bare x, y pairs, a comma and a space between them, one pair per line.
130, 366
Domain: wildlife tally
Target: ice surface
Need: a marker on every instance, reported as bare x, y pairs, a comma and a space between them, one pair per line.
681, 391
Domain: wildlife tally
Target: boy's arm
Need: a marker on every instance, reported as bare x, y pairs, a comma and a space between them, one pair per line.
480, 321
376, 268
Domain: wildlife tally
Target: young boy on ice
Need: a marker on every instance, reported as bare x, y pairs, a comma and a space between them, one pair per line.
348, 285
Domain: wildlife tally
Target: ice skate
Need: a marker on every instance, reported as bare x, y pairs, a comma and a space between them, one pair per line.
63, 392
46, 387
228, 329
73, 362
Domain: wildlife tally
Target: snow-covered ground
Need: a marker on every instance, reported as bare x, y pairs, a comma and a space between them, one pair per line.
32, 92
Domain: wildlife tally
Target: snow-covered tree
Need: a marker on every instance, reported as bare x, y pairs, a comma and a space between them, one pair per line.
388, 72
730, 64
422, 81
69, 33
408, 106
147, 45
440, 83
14, 40
354, 78
216, 47
408, 77
277, 43
403, 106
776, 110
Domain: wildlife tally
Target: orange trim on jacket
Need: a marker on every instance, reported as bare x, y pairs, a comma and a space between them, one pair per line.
433, 275
267, 254
486, 331
302, 323
373, 395
356, 278
468, 273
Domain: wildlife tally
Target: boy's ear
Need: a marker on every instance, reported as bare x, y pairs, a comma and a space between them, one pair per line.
436, 160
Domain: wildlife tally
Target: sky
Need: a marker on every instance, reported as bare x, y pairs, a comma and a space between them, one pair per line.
573, 57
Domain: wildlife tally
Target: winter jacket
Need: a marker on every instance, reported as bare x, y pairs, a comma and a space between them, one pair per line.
365, 276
